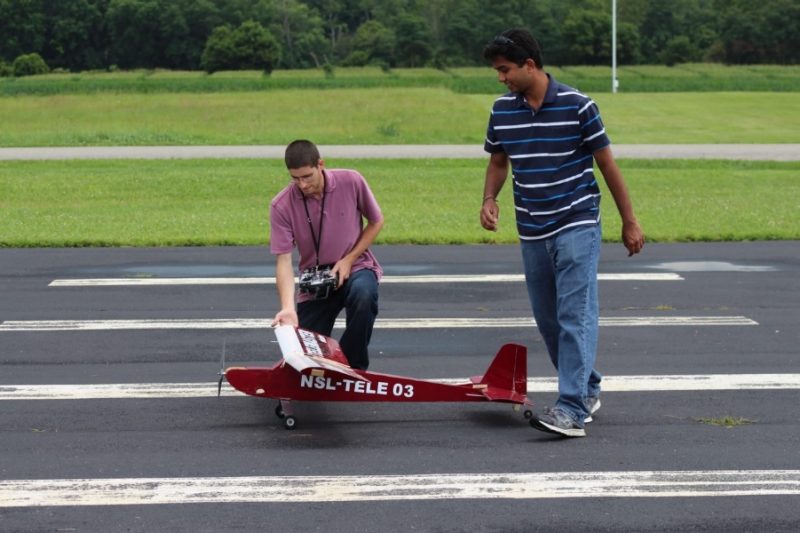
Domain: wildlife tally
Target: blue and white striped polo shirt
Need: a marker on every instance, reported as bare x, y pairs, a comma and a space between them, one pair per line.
551, 158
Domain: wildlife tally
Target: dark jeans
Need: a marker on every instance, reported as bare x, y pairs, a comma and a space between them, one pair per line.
359, 297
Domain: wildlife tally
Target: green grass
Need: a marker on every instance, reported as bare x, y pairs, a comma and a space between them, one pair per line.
688, 200
226, 202
341, 117
373, 116
213, 202
698, 118
636, 78
726, 421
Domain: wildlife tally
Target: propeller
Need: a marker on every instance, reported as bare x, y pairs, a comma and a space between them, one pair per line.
221, 372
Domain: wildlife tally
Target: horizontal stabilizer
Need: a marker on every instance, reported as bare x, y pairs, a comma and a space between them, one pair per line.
504, 395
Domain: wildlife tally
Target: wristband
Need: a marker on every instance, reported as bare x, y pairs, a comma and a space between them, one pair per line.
489, 198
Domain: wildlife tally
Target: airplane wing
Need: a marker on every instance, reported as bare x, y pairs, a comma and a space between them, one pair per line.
304, 349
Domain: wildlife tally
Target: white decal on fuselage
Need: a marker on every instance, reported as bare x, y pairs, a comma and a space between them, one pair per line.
380, 388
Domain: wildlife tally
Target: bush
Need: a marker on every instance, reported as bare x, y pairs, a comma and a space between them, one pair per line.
6, 70
678, 50
29, 65
250, 46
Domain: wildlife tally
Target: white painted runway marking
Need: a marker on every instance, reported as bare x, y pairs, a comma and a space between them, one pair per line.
701, 382
336, 489
466, 278
388, 323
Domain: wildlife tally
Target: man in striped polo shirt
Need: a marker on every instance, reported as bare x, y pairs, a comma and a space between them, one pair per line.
551, 135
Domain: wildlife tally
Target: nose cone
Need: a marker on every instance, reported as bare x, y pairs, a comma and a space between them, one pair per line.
251, 381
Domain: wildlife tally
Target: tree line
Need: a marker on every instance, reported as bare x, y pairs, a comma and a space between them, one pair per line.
79, 35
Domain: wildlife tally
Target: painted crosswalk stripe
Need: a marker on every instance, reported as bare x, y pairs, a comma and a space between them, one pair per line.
388, 323
360, 488
701, 382
452, 278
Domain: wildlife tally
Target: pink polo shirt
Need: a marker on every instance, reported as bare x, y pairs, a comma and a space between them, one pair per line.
348, 199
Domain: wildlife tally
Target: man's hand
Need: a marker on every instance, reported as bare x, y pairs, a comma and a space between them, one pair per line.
496, 172
490, 214
342, 271
344, 265
632, 237
286, 317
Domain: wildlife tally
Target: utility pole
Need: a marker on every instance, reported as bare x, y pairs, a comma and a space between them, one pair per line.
614, 82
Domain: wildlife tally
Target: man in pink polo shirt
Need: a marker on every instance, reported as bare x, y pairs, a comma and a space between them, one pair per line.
322, 212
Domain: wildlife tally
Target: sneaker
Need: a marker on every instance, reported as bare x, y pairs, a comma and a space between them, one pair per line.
592, 404
557, 421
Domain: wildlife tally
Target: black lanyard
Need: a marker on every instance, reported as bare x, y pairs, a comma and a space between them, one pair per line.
317, 241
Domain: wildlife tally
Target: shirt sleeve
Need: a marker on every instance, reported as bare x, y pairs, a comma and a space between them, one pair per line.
367, 203
491, 144
281, 236
592, 129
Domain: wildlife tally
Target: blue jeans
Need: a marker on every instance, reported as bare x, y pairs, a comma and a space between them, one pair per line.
561, 274
359, 297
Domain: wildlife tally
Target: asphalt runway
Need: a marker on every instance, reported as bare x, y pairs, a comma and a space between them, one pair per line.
97, 433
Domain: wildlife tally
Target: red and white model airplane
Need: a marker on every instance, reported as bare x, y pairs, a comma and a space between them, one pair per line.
314, 368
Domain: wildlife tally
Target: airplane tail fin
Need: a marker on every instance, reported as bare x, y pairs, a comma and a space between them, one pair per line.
508, 371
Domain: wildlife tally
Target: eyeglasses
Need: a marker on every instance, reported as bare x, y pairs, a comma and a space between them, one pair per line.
503, 40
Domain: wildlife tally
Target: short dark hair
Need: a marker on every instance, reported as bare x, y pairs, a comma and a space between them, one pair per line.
516, 45
301, 153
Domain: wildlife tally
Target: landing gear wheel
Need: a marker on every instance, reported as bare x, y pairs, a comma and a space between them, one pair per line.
279, 411
289, 422
528, 414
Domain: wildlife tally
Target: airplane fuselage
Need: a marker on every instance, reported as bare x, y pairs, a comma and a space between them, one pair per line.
284, 382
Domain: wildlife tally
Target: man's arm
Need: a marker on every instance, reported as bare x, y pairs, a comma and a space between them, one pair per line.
632, 235
284, 280
496, 172
365, 240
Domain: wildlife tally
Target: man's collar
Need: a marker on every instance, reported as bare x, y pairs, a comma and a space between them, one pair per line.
552, 90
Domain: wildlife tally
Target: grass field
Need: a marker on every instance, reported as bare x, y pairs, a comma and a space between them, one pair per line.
374, 116
226, 202
475, 80
217, 202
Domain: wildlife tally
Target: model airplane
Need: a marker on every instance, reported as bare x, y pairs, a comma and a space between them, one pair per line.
314, 368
